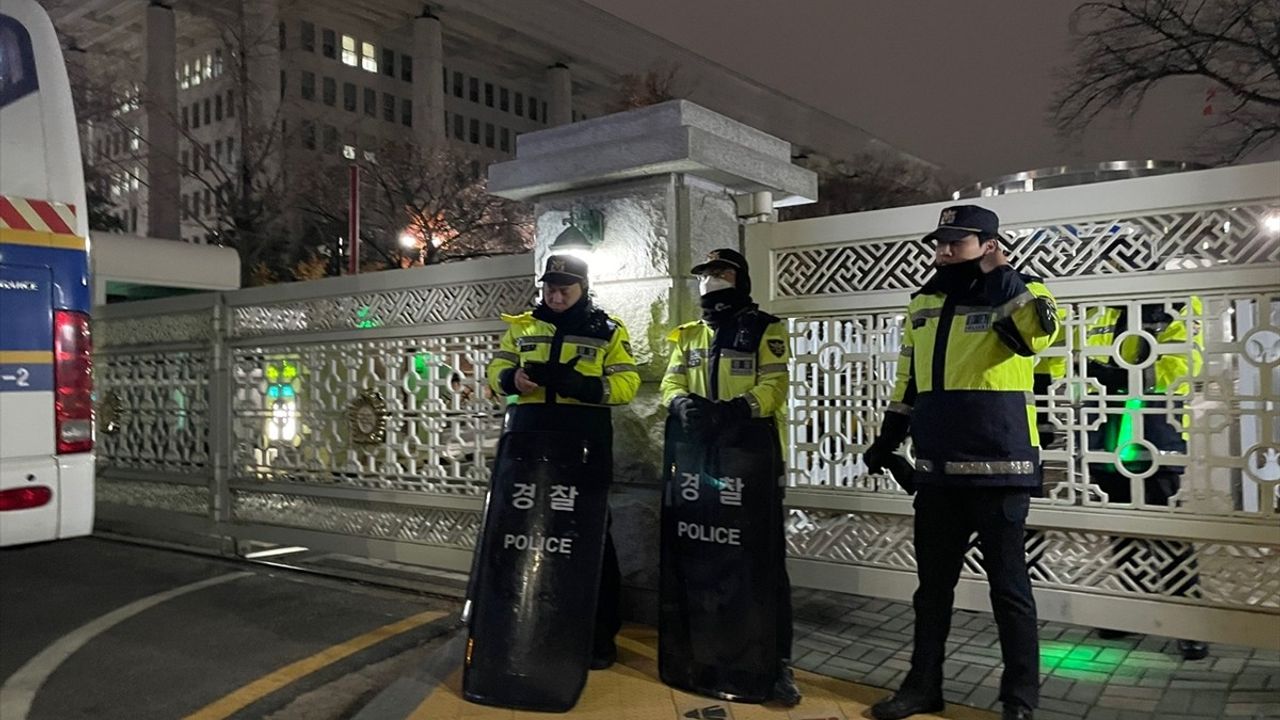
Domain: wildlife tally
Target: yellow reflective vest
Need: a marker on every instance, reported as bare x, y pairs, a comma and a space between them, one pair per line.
602, 346
1179, 357
964, 380
760, 376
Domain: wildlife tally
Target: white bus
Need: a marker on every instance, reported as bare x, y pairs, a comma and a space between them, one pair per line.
46, 402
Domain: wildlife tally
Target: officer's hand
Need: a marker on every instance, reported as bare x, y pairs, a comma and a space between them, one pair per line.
876, 456
563, 378
523, 383
690, 410
994, 258
1114, 379
726, 413
537, 373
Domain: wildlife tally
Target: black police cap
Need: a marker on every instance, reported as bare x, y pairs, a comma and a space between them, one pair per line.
725, 258
564, 270
960, 221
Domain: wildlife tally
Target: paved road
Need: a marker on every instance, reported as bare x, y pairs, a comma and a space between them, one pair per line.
92, 628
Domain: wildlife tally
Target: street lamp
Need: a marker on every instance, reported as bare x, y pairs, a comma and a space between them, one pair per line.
570, 239
408, 241
584, 229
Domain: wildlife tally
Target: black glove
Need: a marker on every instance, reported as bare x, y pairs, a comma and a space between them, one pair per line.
1114, 379
893, 432
902, 472
538, 372
727, 413
691, 411
876, 456
565, 380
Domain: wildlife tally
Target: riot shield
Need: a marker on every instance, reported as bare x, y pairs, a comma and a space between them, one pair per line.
537, 574
721, 544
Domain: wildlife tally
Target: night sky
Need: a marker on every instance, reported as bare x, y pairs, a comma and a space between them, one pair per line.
962, 84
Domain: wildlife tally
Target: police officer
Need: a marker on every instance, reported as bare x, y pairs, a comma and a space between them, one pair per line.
963, 393
569, 361
1167, 375
727, 382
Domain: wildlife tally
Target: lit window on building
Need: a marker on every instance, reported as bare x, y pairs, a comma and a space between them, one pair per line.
368, 57
197, 70
208, 65
349, 51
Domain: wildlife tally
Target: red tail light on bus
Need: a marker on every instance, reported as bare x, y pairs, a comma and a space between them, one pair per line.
73, 382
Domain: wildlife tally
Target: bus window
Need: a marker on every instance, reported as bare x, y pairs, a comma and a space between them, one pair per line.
17, 62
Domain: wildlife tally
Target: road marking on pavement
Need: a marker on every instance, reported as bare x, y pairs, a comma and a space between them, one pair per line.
267, 684
19, 691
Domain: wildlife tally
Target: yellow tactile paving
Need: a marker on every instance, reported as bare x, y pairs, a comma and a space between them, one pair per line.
631, 690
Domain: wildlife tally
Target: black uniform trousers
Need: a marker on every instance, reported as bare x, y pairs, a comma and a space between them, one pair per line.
945, 519
596, 425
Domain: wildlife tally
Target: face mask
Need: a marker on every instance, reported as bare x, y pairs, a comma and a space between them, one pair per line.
959, 276
710, 283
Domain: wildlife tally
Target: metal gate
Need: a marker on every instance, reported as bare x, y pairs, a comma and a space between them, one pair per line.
349, 415
1203, 244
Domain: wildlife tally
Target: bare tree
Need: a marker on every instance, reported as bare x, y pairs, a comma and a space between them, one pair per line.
420, 206
245, 186
1129, 47
869, 182
656, 85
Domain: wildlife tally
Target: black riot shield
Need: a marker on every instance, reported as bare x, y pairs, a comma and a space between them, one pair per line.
538, 572
721, 549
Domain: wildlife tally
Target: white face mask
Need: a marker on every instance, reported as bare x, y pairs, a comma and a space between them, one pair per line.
710, 283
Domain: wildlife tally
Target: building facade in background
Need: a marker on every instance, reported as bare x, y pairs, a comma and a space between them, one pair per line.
335, 81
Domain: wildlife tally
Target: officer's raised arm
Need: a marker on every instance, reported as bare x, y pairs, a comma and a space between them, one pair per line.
1025, 315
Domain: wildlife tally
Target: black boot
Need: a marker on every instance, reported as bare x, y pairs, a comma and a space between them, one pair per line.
603, 656
785, 692
1193, 649
1015, 712
905, 704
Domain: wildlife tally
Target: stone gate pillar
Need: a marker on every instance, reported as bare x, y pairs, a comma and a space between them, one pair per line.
651, 191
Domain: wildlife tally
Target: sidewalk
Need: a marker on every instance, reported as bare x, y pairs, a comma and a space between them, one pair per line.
630, 690
865, 640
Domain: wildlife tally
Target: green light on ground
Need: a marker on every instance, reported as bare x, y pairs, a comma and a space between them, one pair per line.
1054, 651
1090, 663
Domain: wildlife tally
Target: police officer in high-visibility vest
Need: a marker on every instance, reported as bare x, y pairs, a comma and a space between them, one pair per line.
569, 362
726, 387
963, 393
1127, 433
